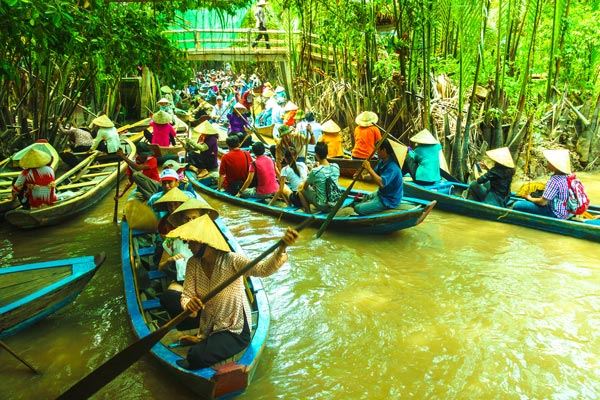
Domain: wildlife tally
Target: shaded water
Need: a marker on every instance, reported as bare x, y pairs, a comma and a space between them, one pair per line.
454, 308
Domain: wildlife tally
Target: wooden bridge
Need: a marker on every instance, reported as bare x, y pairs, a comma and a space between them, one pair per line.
238, 45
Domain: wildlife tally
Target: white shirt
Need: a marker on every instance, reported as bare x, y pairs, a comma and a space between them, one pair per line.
316, 128
111, 136
292, 179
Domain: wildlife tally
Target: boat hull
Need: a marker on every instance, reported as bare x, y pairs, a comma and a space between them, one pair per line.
471, 208
22, 313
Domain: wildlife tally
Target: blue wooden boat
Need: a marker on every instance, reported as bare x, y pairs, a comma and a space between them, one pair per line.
222, 380
410, 213
31, 292
445, 194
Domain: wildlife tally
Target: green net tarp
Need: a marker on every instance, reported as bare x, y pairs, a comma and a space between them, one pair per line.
207, 19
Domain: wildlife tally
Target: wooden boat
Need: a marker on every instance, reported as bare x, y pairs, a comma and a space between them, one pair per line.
225, 379
30, 292
349, 166
445, 195
410, 213
77, 190
266, 130
10, 169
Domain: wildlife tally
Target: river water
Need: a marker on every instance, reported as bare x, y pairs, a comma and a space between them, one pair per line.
456, 308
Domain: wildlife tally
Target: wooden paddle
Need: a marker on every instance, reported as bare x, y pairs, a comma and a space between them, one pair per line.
5, 347
116, 211
340, 201
108, 371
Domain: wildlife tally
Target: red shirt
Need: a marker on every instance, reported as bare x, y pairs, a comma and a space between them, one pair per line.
152, 170
234, 165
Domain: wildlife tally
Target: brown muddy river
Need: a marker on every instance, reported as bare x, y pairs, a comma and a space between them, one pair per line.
455, 308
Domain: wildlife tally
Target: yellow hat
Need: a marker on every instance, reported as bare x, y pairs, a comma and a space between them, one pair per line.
268, 93
206, 128
559, 160
424, 137
140, 216
201, 230
195, 204
502, 156
35, 158
400, 151
330, 127
102, 121
366, 118
162, 117
174, 195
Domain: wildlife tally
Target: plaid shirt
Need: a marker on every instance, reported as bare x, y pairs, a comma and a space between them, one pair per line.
557, 194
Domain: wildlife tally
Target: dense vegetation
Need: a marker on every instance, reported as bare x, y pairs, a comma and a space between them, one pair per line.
480, 73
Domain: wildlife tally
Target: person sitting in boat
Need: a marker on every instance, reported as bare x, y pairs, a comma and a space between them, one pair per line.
387, 175
314, 190
263, 168
225, 322
175, 256
366, 135
79, 139
234, 167
332, 136
107, 138
553, 202
280, 95
184, 183
143, 172
292, 175
238, 124
247, 99
289, 113
265, 118
165, 105
493, 187
289, 139
204, 154
219, 113
423, 163
166, 204
167, 92
163, 133
34, 186
169, 180
306, 124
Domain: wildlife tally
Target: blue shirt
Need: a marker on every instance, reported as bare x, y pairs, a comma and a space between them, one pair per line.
391, 177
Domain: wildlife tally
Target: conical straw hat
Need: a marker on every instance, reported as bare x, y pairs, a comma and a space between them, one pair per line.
424, 137
268, 93
103, 122
195, 204
201, 230
366, 118
279, 89
140, 216
206, 128
35, 158
400, 151
162, 117
164, 100
174, 195
290, 106
559, 160
240, 106
330, 127
502, 156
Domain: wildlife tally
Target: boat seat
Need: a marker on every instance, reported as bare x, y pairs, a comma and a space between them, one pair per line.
156, 274
151, 304
146, 251
135, 233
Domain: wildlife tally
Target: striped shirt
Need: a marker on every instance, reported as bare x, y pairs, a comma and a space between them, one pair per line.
225, 311
557, 194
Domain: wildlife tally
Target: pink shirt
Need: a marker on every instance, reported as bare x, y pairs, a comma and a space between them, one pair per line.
265, 175
161, 133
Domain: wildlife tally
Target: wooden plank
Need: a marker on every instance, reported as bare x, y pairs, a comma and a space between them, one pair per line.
97, 166
104, 173
77, 185
20, 284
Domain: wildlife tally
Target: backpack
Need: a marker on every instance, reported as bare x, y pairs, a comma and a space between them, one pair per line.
578, 202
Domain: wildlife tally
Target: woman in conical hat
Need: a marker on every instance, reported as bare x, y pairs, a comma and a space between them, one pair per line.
225, 322
204, 154
289, 114
366, 135
331, 135
387, 175
553, 202
163, 133
107, 138
423, 163
493, 187
34, 187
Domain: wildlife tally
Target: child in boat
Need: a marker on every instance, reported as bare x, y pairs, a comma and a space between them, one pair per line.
388, 176
493, 187
556, 193
423, 163
225, 325
34, 187
292, 175
313, 190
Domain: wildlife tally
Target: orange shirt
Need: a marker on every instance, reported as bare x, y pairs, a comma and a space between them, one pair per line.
364, 141
334, 144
